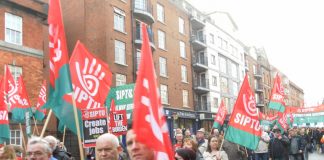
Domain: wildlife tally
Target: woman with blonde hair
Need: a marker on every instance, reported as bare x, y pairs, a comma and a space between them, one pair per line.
8, 152
213, 151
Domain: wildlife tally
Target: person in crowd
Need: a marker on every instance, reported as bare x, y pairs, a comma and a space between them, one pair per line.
185, 154
57, 152
188, 134
190, 143
38, 149
7, 152
19, 152
90, 153
295, 152
261, 153
234, 151
305, 143
137, 150
278, 146
179, 142
215, 132
214, 151
202, 142
107, 147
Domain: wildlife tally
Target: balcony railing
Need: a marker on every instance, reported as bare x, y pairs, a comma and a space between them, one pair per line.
198, 41
138, 35
143, 9
197, 21
200, 63
259, 88
202, 106
201, 85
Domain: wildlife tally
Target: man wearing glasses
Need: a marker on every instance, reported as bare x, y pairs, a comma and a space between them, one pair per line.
38, 149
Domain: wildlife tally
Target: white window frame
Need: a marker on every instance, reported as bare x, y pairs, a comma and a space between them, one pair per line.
185, 98
182, 47
214, 80
184, 74
120, 79
161, 39
164, 94
212, 38
119, 20
181, 25
120, 52
163, 66
160, 12
14, 137
13, 29
16, 71
213, 59
138, 58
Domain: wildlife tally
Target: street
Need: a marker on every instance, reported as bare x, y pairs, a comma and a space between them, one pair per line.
316, 156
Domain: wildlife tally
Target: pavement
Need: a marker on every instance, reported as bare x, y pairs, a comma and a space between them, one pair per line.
316, 156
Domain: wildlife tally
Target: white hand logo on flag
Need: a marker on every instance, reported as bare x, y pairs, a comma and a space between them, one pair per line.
89, 78
249, 105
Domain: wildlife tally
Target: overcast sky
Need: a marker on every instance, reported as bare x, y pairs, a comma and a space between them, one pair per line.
291, 31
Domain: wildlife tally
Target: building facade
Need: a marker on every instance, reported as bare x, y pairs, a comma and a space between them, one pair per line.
22, 48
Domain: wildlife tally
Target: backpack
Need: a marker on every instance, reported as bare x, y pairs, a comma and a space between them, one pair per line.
322, 139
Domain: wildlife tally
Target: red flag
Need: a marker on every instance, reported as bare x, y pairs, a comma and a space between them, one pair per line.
244, 125
58, 52
9, 88
3, 107
149, 123
220, 116
91, 78
282, 121
41, 98
22, 99
277, 95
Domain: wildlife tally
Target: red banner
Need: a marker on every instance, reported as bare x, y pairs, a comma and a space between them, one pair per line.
245, 115
300, 110
118, 122
41, 98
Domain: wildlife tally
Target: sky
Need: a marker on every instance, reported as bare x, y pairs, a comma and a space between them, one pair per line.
291, 31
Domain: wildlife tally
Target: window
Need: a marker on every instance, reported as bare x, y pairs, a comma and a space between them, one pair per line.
211, 38
13, 29
138, 58
213, 59
16, 71
222, 65
234, 71
164, 94
15, 137
119, 20
181, 25
163, 66
215, 101
235, 88
120, 79
141, 5
184, 73
182, 49
185, 98
120, 52
214, 80
160, 13
224, 85
161, 38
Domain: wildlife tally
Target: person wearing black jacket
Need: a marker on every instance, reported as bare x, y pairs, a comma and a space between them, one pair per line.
57, 152
278, 146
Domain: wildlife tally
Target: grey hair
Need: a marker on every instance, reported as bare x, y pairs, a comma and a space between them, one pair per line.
51, 140
38, 140
112, 138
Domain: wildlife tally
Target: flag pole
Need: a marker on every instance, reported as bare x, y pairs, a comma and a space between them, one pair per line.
35, 126
76, 118
46, 123
22, 136
64, 132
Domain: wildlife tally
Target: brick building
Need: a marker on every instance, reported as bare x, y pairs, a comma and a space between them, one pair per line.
22, 47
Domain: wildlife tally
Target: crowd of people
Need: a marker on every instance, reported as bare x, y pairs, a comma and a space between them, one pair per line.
296, 144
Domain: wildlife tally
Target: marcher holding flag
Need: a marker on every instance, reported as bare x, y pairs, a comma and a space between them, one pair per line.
149, 123
244, 125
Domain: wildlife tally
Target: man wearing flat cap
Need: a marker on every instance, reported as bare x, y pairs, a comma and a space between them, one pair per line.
202, 142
